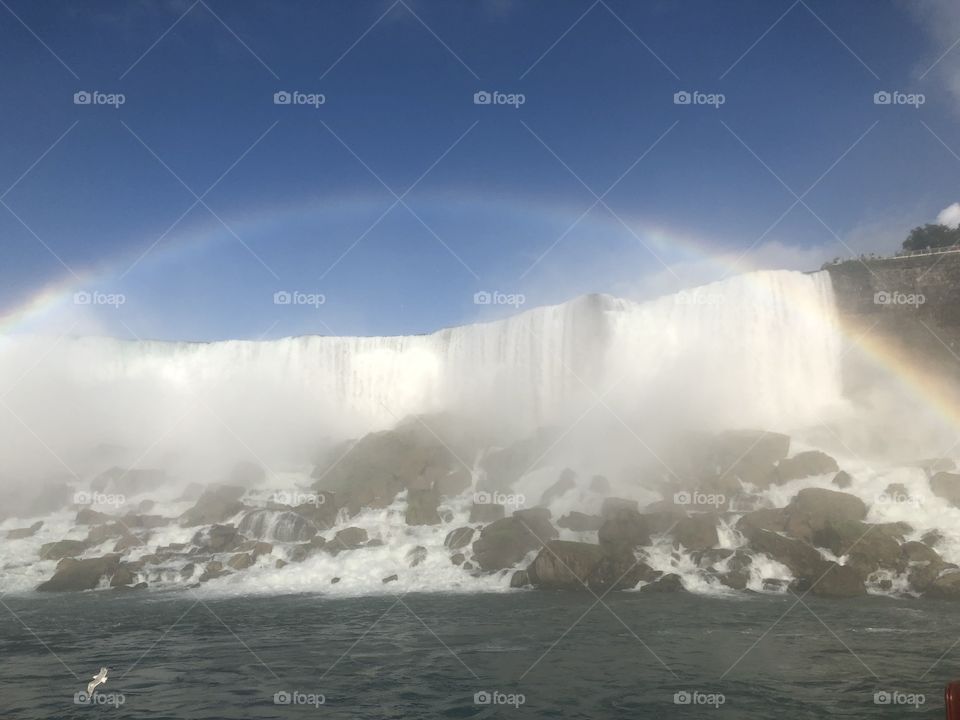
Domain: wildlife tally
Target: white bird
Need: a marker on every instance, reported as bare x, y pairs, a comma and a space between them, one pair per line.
99, 679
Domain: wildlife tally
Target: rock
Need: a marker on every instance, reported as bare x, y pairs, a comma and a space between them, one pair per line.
502, 468
932, 538
580, 522
214, 569
600, 485
868, 548
240, 561
842, 480
836, 581
566, 482
696, 532
946, 586
215, 505
102, 533
245, 474
457, 558
187, 570
301, 551
564, 565
737, 574
127, 541
468, 565
126, 574
773, 519
73, 575
923, 564
280, 563
20, 533
802, 559
281, 526
218, 538
454, 482
349, 538
145, 506
322, 513
416, 556
668, 583
804, 464
623, 525
813, 509
486, 512
459, 538
88, 516
129, 481
390, 579
380, 465
520, 579
62, 549
256, 548
895, 491
334, 581
947, 486
422, 507
504, 543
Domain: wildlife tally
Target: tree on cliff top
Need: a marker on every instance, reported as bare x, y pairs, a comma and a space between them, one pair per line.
931, 236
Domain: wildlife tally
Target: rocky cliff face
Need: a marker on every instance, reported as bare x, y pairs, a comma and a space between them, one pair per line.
907, 309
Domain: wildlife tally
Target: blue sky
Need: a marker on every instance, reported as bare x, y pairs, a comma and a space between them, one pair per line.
103, 200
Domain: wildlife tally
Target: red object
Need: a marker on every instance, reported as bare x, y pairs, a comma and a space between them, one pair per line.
951, 698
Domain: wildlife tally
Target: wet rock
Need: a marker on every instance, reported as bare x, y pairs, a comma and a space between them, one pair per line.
281, 526
322, 512
348, 539
924, 565
564, 484
416, 556
20, 533
280, 563
772, 519
459, 538
389, 579
301, 551
256, 548
580, 522
737, 573
668, 583
126, 574
422, 507
504, 543
187, 570
102, 533
520, 579
804, 464
334, 581
842, 480
241, 561
62, 549
946, 586
932, 538
867, 548
214, 569
457, 558
74, 575
127, 541
564, 565
88, 516
696, 532
802, 559
486, 512
218, 538
623, 525
834, 581
814, 509
215, 505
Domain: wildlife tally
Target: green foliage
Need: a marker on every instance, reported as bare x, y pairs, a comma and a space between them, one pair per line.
931, 236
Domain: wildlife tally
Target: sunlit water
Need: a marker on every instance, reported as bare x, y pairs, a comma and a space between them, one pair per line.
427, 655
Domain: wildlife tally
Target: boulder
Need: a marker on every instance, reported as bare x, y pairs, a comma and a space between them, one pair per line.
89, 516
102, 533
459, 538
842, 480
125, 575
804, 464
737, 573
390, 579
213, 569
256, 548
454, 482
504, 543
947, 486
322, 513
923, 565
520, 579
20, 533
772, 519
623, 526
946, 586
73, 575
834, 581
580, 522
301, 551
696, 532
282, 526
803, 560
241, 561
126, 541
486, 512
63, 549
814, 509
565, 483
457, 558
563, 565
422, 507
348, 539
866, 546
416, 555
218, 538
280, 564
667, 583
215, 505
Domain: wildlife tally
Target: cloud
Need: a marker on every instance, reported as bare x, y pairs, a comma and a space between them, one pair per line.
950, 215
940, 20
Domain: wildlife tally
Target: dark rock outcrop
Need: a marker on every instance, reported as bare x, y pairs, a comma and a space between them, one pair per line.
804, 464
459, 538
486, 512
579, 522
504, 543
218, 538
74, 575
566, 482
63, 549
563, 565
696, 532
215, 505
20, 533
